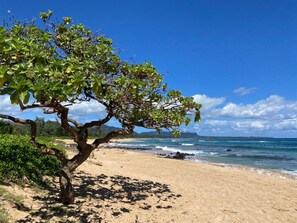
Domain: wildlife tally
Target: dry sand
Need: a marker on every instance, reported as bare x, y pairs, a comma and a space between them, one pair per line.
123, 186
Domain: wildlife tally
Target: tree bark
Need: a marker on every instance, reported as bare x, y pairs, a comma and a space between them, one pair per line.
66, 188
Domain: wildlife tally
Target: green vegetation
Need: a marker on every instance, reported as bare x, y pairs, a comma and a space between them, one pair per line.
3, 215
21, 161
5, 128
50, 129
62, 64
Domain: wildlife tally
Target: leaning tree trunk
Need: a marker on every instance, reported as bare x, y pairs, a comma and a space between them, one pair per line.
66, 188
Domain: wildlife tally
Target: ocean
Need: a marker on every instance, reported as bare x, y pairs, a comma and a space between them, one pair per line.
276, 154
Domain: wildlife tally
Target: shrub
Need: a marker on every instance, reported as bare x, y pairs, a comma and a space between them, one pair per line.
5, 128
20, 160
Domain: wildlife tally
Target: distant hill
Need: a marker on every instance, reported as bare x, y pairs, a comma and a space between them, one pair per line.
155, 134
103, 130
53, 128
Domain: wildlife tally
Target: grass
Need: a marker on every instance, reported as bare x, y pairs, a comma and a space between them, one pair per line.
17, 200
3, 215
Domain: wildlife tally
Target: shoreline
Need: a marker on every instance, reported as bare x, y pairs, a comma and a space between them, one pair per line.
254, 169
271, 172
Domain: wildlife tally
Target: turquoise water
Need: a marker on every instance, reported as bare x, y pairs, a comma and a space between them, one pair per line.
265, 153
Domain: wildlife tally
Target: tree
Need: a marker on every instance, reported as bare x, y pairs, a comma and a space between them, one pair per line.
62, 64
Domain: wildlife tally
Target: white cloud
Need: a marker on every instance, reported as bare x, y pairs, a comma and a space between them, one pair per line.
273, 107
207, 102
273, 116
91, 107
248, 127
7, 108
84, 111
244, 91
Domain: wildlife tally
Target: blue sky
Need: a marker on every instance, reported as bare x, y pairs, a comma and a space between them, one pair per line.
238, 58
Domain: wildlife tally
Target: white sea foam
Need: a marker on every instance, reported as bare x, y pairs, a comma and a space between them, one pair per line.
168, 149
196, 152
293, 173
141, 145
245, 141
113, 144
187, 144
174, 150
127, 145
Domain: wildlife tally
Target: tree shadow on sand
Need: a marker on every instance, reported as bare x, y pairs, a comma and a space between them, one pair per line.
103, 197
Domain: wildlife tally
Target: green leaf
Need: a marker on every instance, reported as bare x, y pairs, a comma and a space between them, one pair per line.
3, 70
68, 70
62, 28
175, 133
45, 16
67, 20
3, 79
25, 96
197, 116
14, 98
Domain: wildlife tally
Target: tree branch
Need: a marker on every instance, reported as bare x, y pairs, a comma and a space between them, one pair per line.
111, 135
50, 151
24, 122
33, 105
77, 125
99, 122
63, 113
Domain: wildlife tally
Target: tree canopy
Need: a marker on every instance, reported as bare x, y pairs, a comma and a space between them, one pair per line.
60, 64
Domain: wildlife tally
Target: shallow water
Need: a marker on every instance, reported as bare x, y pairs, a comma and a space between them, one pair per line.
266, 153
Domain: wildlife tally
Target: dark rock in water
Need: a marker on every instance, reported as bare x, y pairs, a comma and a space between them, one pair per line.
161, 154
189, 154
229, 150
179, 156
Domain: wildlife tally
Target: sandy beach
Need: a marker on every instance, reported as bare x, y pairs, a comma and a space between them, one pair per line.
208, 193
117, 185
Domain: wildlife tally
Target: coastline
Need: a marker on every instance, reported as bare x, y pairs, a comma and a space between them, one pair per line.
252, 169
113, 145
235, 157
117, 185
